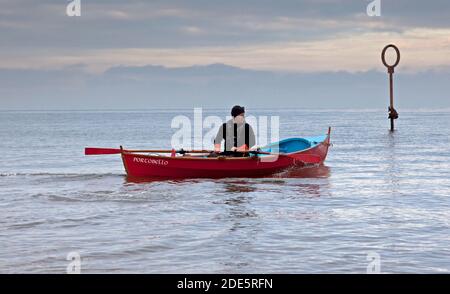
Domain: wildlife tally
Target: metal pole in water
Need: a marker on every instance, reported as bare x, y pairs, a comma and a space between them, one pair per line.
393, 115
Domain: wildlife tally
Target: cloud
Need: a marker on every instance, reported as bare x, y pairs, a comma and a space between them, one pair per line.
192, 30
159, 24
302, 36
119, 15
422, 49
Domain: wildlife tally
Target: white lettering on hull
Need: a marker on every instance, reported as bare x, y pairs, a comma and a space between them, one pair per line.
150, 161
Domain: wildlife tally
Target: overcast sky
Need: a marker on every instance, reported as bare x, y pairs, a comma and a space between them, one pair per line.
39, 41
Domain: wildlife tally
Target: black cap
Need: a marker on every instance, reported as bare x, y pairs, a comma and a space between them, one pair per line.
236, 110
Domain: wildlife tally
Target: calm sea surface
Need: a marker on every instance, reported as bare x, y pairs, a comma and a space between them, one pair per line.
379, 194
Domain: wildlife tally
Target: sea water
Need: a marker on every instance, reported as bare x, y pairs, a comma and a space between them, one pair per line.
381, 198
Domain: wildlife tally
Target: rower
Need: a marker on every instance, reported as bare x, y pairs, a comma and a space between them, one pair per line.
238, 134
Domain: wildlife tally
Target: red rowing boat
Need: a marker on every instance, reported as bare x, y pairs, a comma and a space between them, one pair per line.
271, 159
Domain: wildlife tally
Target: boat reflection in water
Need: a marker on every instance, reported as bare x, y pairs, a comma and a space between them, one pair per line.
249, 185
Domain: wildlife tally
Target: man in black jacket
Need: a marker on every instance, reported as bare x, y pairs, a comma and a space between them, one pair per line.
238, 134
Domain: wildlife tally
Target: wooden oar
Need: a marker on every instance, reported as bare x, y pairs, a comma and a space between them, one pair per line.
104, 151
100, 151
306, 158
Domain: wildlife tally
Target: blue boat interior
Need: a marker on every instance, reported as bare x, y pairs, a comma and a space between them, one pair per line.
291, 145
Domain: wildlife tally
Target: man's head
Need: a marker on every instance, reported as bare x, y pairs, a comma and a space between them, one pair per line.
238, 113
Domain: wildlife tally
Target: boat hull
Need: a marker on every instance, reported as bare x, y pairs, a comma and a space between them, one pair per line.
154, 166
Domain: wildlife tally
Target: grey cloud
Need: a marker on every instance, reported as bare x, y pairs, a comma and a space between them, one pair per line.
105, 24
41, 29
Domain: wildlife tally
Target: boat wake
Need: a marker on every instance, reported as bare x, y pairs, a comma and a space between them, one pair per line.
315, 171
63, 175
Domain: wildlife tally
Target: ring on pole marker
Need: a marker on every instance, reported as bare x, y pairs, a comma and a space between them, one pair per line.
383, 59
393, 114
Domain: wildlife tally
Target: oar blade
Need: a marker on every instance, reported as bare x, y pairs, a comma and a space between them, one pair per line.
100, 151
